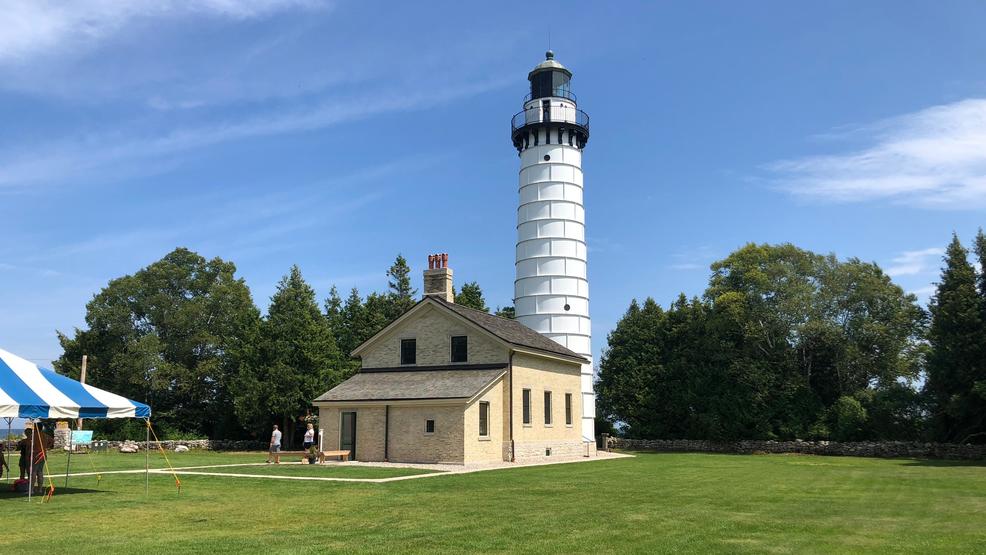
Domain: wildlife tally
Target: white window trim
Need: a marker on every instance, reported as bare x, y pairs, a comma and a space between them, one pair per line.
551, 413
570, 395
529, 424
489, 420
425, 427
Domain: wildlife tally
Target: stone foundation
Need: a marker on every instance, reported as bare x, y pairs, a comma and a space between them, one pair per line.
883, 449
525, 451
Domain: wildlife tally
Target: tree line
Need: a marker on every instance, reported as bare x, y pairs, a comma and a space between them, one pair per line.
184, 336
786, 344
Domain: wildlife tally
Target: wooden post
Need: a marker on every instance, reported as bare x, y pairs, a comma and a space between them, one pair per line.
82, 378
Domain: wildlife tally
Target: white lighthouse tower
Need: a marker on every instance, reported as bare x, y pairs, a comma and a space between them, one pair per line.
551, 292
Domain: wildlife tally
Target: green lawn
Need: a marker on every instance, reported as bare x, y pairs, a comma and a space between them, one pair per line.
233, 462
112, 460
324, 471
652, 503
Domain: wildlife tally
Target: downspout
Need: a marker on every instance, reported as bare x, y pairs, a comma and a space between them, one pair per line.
510, 379
386, 432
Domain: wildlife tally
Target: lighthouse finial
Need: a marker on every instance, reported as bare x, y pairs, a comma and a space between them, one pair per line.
549, 55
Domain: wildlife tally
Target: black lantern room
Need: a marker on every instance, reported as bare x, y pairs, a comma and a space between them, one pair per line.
550, 114
550, 78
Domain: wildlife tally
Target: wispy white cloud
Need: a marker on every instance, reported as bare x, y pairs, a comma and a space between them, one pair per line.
130, 155
30, 270
932, 158
43, 27
244, 227
698, 258
688, 266
924, 293
910, 263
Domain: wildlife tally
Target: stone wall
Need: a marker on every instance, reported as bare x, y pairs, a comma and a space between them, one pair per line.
208, 444
530, 451
410, 443
886, 449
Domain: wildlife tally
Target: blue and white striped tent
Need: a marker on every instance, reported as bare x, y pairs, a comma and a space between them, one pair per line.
27, 391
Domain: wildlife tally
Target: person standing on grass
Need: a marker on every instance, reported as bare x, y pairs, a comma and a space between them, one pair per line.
309, 437
309, 443
275, 446
38, 464
24, 449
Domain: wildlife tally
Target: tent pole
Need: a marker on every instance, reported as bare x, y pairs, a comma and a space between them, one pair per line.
147, 448
68, 463
6, 448
30, 463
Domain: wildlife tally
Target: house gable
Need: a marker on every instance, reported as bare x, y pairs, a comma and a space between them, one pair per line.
432, 329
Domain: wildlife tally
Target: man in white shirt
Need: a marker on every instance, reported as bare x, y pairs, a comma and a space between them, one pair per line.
275, 446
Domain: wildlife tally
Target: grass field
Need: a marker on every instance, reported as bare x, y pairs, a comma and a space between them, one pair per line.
651, 503
113, 461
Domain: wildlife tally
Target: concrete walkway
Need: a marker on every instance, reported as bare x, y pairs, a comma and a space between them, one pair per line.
438, 469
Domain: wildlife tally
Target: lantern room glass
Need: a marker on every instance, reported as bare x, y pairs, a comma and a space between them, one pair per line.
551, 83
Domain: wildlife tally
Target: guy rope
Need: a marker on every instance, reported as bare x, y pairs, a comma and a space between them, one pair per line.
164, 454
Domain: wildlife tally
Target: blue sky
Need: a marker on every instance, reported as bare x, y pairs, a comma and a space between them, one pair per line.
335, 135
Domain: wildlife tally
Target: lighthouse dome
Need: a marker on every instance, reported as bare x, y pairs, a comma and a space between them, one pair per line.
550, 78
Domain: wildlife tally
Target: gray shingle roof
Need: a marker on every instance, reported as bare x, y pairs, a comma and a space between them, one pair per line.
396, 386
511, 331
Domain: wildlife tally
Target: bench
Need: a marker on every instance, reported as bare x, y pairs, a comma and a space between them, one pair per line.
342, 454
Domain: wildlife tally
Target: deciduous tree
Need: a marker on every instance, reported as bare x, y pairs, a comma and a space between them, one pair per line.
174, 334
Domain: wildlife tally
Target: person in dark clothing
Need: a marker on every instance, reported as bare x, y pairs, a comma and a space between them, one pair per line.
24, 450
39, 453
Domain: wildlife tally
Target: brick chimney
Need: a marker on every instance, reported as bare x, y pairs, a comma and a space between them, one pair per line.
438, 278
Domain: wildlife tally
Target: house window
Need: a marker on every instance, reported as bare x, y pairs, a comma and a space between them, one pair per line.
484, 419
409, 351
527, 406
429, 426
459, 350
547, 408
568, 409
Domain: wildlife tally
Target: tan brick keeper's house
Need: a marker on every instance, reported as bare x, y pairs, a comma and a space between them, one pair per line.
448, 384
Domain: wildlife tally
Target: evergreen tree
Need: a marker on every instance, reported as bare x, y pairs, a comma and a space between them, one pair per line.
353, 322
297, 360
506, 312
472, 297
980, 248
378, 313
333, 313
401, 294
956, 360
361, 320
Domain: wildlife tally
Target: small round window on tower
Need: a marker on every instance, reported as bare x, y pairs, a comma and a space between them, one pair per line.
568, 307
546, 157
